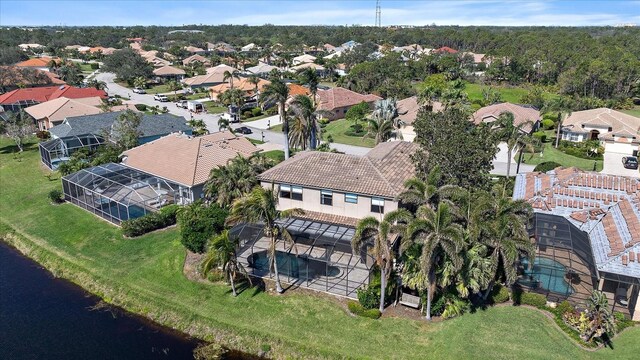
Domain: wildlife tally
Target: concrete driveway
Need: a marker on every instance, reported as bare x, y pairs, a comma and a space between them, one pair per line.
613, 165
500, 163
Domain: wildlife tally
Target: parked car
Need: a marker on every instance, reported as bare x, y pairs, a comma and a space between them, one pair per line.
138, 90
630, 162
182, 104
244, 130
161, 98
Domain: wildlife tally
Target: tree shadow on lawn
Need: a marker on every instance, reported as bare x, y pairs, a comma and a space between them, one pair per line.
13, 148
257, 284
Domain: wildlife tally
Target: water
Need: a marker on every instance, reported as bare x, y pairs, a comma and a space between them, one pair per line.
293, 266
42, 317
547, 274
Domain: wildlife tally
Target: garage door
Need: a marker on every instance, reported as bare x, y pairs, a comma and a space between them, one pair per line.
620, 148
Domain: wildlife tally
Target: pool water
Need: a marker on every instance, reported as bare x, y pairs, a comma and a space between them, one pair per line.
546, 274
292, 265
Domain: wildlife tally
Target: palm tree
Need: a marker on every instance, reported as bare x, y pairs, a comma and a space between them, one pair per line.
174, 85
260, 206
230, 75
298, 132
232, 96
499, 222
223, 124
601, 320
267, 53
255, 81
140, 82
222, 253
232, 181
388, 109
277, 91
371, 231
427, 192
309, 77
514, 135
304, 109
379, 129
563, 107
199, 126
440, 237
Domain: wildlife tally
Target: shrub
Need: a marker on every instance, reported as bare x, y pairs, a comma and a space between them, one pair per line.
329, 138
56, 196
548, 124
256, 111
272, 110
150, 222
546, 166
499, 294
141, 107
95, 66
565, 307
357, 309
247, 114
198, 223
355, 130
369, 297
455, 307
43, 134
437, 304
540, 135
215, 275
209, 351
533, 299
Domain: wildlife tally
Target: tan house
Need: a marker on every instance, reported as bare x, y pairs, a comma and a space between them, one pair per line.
196, 59
214, 76
53, 112
243, 84
195, 50
522, 114
619, 132
303, 59
168, 73
338, 100
408, 113
341, 187
187, 160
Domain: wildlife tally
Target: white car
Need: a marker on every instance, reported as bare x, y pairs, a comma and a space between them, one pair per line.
139, 90
161, 98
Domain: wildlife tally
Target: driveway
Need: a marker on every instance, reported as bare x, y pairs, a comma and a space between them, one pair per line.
613, 165
500, 163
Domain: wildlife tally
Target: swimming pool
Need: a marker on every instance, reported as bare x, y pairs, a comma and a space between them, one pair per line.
292, 265
547, 274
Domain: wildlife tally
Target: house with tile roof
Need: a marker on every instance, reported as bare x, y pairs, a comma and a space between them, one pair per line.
340, 186
168, 72
53, 112
586, 226
12, 77
87, 131
195, 50
188, 160
338, 100
261, 69
250, 89
41, 63
619, 132
20, 98
525, 115
408, 113
214, 76
302, 59
196, 59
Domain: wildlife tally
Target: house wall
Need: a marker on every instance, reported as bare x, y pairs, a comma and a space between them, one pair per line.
311, 202
408, 133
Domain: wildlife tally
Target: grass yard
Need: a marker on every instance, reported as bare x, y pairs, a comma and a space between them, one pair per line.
509, 94
550, 153
259, 117
337, 129
635, 111
144, 275
214, 108
276, 155
196, 96
158, 89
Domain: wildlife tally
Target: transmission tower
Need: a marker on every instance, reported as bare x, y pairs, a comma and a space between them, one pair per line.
378, 14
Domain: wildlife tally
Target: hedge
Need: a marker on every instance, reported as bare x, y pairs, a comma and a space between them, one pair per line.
540, 135
548, 124
141, 107
150, 222
357, 309
546, 166
532, 299
499, 294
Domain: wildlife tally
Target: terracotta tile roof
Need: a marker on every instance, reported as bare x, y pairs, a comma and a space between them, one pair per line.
295, 89
445, 49
381, 172
243, 84
521, 114
620, 123
73, 92
37, 62
408, 109
187, 160
61, 108
339, 97
168, 70
46, 93
194, 49
196, 58
214, 75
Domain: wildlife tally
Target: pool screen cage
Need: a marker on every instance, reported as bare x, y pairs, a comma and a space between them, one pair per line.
117, 193
567, 255
321, 259
55, 151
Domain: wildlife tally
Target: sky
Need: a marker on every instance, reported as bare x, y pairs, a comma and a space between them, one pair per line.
319, 12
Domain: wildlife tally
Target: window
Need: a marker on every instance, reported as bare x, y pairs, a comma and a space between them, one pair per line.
296, 193
351, 198
574, 137
285, 191
377, 205
326, 197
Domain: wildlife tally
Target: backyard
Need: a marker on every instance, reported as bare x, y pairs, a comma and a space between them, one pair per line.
144, 275
337, 130
509, 94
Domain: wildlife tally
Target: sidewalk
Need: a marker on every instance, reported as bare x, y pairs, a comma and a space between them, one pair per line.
265, 123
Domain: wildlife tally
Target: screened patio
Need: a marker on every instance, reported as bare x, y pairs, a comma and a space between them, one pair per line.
321, 259
55, 151
117, 193
564, 267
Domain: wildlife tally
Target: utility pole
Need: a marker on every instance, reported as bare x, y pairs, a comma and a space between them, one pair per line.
378, 14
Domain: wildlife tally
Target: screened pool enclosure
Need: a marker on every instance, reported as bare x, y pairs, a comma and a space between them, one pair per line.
117, 193
321, 259
55, 151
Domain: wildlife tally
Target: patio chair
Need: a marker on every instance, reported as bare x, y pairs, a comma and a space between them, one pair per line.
621, 296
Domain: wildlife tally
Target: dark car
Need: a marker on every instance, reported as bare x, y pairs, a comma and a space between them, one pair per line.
244, 130
630, 162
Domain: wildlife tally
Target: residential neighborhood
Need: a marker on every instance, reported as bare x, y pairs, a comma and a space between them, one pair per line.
330, 191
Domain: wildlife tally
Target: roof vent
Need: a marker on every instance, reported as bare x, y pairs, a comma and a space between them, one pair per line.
61, 87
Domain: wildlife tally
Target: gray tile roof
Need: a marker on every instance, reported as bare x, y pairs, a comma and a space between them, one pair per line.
381, 172
151, 125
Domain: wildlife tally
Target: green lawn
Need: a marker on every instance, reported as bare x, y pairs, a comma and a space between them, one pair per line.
158, 89
86, 68
144, 275
259, 117
197, 96
337, 129
550, 153
635, 111
276, 155
509, 94
214, 108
